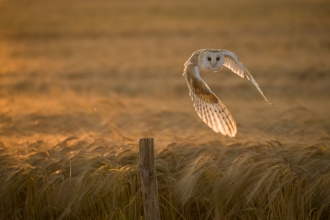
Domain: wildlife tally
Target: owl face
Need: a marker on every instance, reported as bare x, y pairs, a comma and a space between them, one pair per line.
211, 60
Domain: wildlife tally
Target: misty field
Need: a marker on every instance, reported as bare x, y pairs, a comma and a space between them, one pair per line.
82, 81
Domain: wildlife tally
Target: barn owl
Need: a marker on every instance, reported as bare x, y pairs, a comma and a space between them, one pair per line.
207, 105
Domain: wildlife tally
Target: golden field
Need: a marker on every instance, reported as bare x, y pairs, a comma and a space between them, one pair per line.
82, 81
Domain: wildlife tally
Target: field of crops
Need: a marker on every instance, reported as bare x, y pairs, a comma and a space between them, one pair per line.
82, 81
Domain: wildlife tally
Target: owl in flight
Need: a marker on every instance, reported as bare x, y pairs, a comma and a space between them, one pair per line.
207, 105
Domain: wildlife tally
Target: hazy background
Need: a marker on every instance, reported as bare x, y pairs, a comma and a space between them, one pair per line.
111, 70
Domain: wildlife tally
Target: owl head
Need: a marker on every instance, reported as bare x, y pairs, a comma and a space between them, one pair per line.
211, 60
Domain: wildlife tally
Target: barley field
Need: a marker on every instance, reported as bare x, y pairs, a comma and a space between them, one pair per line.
82, 81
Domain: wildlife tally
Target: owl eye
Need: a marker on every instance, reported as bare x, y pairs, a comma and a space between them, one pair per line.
218, 58
209, 58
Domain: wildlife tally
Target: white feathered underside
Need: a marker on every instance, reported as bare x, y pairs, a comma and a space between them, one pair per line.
234, 66
232, 63
215, 115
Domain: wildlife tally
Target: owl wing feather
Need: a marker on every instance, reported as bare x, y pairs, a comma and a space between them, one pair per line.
207, 105
234, 64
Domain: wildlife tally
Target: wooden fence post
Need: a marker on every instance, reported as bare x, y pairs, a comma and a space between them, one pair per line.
148, 179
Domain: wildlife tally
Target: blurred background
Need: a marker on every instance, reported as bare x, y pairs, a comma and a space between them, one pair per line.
112, 70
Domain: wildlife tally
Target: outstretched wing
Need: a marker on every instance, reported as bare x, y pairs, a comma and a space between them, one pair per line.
233, 63
209, 108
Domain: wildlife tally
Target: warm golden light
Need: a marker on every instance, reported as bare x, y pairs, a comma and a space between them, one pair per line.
82, 81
